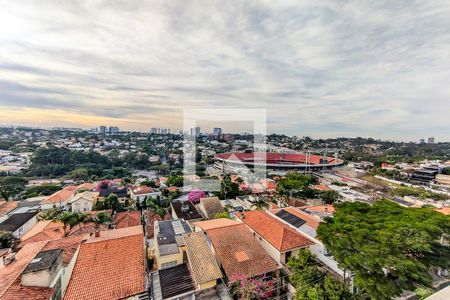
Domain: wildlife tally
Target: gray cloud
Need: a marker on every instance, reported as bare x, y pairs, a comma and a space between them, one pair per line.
320, 68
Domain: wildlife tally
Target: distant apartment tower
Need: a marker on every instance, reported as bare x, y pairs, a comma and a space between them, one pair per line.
154, 130
431, 140
102, 129
422, 141
217, 131
195, 131
113, 130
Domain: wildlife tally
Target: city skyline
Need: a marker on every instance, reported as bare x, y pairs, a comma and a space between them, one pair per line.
323, 70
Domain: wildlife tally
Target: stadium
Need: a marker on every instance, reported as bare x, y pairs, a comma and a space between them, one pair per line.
274, 162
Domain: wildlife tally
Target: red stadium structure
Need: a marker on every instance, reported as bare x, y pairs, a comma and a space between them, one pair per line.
239, 162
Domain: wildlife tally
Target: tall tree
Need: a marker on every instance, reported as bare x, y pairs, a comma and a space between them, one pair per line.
387, 247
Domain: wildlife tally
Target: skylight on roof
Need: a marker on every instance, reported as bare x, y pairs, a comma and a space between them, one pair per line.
178, 227
36, 260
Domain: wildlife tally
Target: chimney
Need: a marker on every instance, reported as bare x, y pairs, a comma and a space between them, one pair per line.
97, 233
7, 258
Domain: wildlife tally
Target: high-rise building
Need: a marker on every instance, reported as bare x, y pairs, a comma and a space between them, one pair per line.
217, 131
153, 130
431, 140
102, 129
195, 131
113, 130
422, 141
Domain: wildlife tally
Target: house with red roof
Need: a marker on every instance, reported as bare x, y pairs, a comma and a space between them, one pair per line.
142, 192
277, 238
110, 265
39, 270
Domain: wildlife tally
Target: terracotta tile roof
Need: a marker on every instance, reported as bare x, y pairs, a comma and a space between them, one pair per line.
69, 246
86, 186
16, 291
321, 187
43, 231
116, 233
320, 208
233, 244
444, 210
215, 223
10, 272
141, 190
150, 218
83, 229
7, 206
203, 264
62, 196
112, 268
311, 221
127, 219
275, 232
211, 206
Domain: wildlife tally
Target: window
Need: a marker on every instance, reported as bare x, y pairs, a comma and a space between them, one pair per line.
168, 264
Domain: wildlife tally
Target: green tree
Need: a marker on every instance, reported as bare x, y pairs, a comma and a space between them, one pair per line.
71, 219
7, 239
312, 283
260, 202
387, 247
101, 218
329, 197
11, 186
175, 180
222, 215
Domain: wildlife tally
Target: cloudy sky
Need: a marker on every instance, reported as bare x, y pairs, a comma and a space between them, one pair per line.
319, 68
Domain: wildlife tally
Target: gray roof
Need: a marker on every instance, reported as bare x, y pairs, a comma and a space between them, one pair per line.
169, 235
15, 221
43, 260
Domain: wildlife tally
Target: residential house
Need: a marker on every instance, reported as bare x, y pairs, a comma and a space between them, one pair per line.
185, 210
110, 265
127, 219
209, 207
19, 224
212, 224
43, 231
6, 208
39, 270
169, 248
239, 253
172, 283
84, 201
203, 265
307, 224
59, 199
278, 239
142, 192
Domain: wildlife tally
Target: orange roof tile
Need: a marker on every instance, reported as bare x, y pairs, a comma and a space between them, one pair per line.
69, 246
10, 272
116, 233
320, 208
112, 268
43, 231
60, 196
127, 219
233, 245
16, 291
444, 210
7, 206
278, 234
215, 223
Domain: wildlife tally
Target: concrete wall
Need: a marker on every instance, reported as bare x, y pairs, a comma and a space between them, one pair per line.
81, 205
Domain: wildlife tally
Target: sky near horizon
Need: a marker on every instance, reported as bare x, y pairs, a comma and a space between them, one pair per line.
319, 68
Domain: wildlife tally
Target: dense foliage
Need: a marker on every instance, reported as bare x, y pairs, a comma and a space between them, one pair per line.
11, 186
54, 161
387, 247
417, 192
312, 283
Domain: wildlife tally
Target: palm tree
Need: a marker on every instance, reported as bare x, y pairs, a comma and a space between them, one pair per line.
101, 218
71, 219
260, 202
